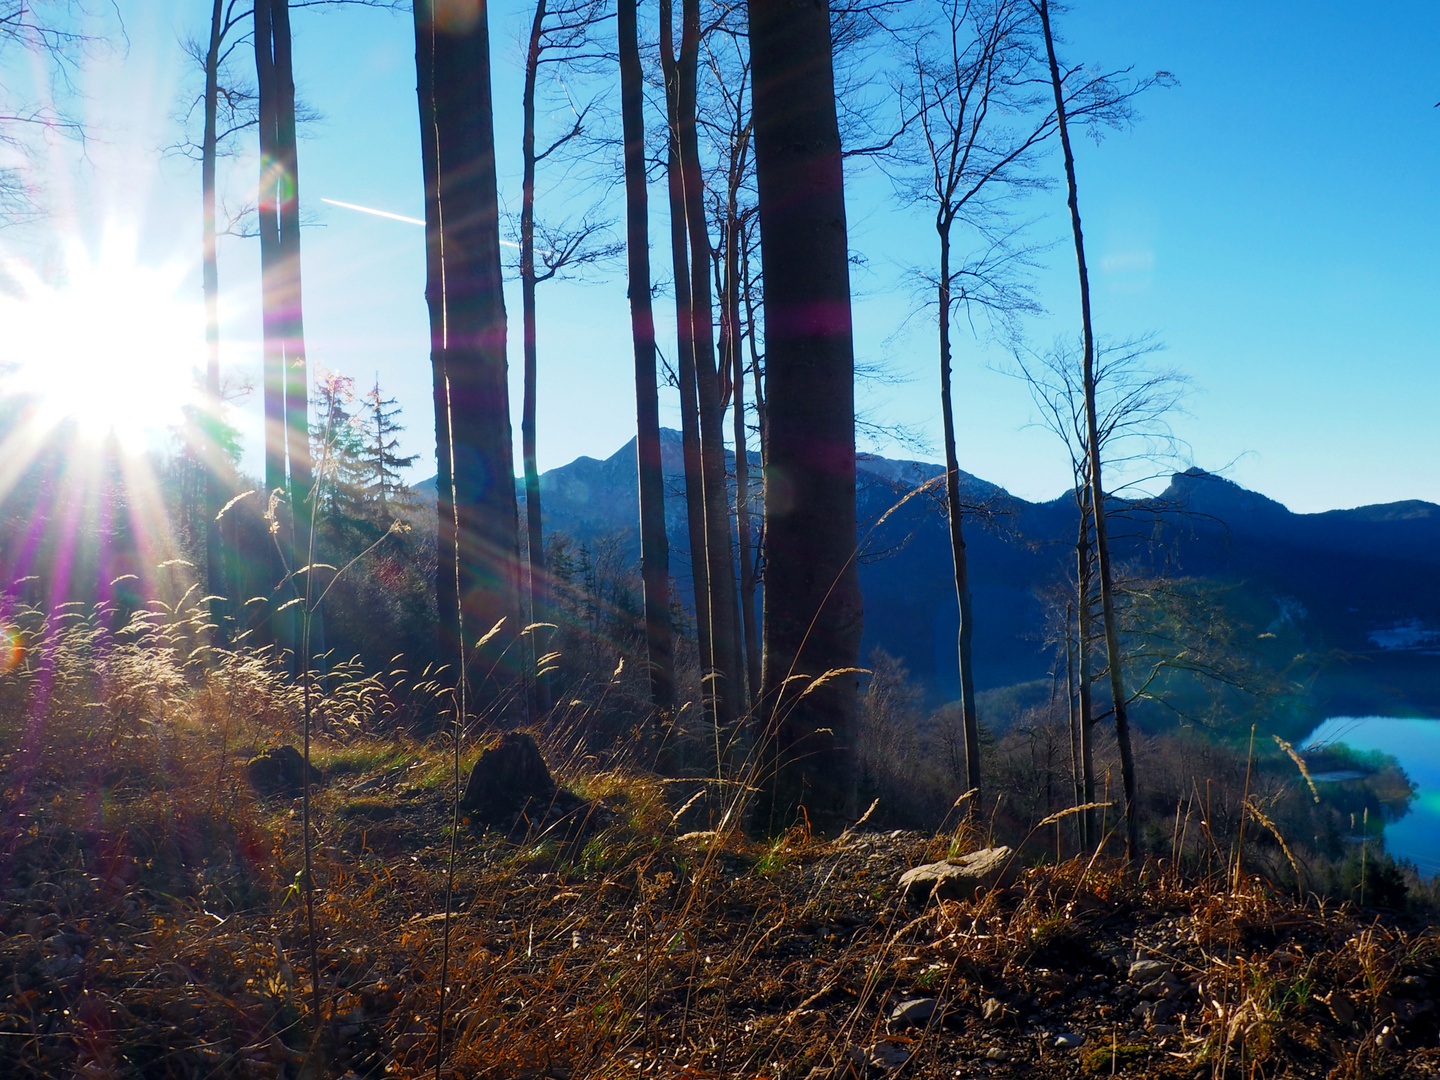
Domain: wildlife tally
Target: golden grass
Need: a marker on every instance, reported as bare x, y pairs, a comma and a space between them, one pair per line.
153, 925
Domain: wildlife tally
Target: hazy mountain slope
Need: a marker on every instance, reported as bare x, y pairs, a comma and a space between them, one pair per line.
1352, 580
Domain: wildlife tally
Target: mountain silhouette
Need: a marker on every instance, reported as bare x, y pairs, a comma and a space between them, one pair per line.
1360, 588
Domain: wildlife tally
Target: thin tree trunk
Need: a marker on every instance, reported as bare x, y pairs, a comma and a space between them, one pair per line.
297, 386
752, 329
1084, 635
734, 359
271, 319
472, 361
1077, 772
969, 716
751, 569
685, 352
813, 609
1097, 488
654, 545
535, 570
447, 556
719, 551
210, 276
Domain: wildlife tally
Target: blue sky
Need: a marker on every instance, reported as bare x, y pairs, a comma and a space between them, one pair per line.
1273, 220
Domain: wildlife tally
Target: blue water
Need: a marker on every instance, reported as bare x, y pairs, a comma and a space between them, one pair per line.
1415, 744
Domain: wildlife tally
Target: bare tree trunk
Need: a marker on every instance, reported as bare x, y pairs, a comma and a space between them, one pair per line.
654, 545
733, 358
210, 276
1077, 770
447, 557
813, 608
539, 703
754, 335
471, 329
685, 349
271, 299
719, 552
969, 716
1084, 631
297, 385
1097, 488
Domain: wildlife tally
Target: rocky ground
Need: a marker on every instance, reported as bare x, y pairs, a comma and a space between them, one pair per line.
164, 934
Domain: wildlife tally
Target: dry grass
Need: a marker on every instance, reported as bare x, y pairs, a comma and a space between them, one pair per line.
153, 928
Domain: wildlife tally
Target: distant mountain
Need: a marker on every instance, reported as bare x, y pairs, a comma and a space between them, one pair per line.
1362, 582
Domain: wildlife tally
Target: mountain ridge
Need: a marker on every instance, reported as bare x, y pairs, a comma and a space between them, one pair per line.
1348, 579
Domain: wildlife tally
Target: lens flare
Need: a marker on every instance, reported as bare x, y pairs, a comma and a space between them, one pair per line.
12, 649
109, 345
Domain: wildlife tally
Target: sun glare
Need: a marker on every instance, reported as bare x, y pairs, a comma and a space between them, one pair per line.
110, 345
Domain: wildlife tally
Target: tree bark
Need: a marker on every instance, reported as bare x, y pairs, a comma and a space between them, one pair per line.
685, 350
965, 645
813, 609
1084, 623
733, 358
271, 317
453, 42
447, 561
719, 551
292, 324
210, 278
654, 545
1097, 488
535, 569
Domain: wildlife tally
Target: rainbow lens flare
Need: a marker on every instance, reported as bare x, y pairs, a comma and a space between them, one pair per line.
12, 650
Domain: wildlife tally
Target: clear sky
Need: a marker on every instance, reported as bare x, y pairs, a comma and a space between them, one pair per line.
1273, 220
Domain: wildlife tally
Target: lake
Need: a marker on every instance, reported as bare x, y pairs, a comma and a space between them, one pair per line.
1415, 744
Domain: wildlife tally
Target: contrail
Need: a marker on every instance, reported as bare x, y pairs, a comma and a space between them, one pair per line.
377, 213
392, 217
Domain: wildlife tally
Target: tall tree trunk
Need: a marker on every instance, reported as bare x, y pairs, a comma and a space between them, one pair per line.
731, 356
654, 545
1084, 635
535, 569
1097, 487
1077, 774
271, 316
813, 609
297, 384
969, 716
753, 332
719, 551
447, 558
210, 277
455, 45
685, 351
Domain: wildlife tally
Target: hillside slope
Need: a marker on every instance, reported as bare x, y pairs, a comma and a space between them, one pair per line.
1363, 582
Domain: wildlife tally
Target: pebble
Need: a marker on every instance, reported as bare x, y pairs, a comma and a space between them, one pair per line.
1069, 1040
914, 1011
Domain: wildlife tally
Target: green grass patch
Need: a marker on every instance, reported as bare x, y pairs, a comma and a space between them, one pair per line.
1113, 1057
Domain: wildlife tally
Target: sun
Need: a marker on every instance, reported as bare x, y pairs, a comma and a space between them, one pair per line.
110, 345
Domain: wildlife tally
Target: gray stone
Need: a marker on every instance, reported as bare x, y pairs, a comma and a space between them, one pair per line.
279, 771
915, 1011
959, 878
1069, 1040
1147, 971
885, 1056
1167, 986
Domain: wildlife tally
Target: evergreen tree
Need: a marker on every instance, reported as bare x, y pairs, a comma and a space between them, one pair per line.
381, 443
338, 450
